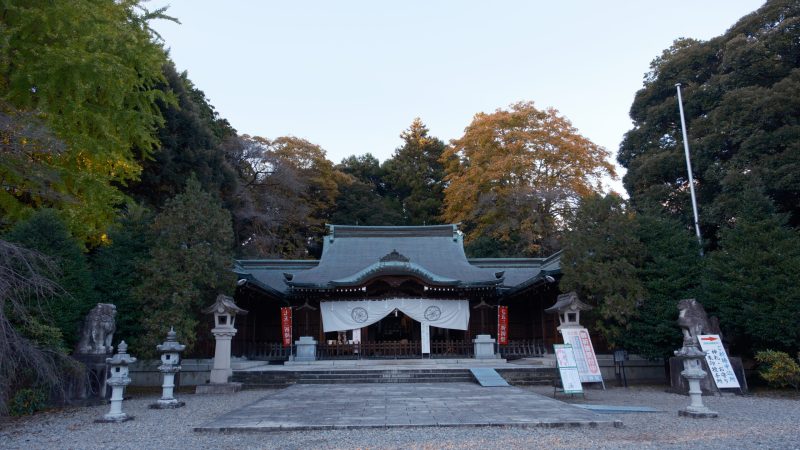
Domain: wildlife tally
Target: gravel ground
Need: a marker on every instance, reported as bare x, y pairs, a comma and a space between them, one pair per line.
745, 422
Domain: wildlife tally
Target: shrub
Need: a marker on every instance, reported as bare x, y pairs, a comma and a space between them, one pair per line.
27, 401
779, 369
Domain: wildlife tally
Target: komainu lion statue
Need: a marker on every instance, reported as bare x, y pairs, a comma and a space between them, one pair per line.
98, 330
694, 321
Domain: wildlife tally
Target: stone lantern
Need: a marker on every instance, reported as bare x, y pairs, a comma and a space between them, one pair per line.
568, 307
118, 380
692, 319
170, 365
225, 312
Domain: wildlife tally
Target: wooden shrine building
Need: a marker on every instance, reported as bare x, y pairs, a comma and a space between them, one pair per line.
395, 291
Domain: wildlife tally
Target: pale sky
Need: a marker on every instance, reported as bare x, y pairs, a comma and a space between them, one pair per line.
350, 76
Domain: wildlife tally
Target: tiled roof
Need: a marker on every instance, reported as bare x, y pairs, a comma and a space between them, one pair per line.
354, 254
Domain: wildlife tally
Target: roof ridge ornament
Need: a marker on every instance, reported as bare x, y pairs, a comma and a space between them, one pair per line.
394, 256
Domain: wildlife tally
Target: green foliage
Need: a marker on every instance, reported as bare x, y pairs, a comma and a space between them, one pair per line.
671, 269
751, 280
415, 176
87, 69
189, 264
115, 270
779, 369
601, 255
190, 143
45, 232
27, 401
358, 203
742, 102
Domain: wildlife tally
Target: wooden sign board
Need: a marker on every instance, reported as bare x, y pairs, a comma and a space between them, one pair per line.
568, 369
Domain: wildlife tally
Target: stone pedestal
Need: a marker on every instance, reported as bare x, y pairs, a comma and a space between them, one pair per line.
170, 358
222, 354
306, 349
484, 347
168, 400
95, 389
694, 373
119, 379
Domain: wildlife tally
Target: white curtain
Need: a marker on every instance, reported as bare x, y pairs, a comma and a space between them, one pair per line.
349, 315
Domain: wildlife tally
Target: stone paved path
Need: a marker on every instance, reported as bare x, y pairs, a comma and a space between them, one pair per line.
326, 406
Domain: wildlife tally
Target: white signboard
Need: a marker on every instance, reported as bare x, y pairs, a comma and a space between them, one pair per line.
581, 343
568, 369
718, 362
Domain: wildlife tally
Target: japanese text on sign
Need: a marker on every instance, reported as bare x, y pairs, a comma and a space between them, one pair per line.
567, 369
286, 325
584, 354
718, 362
502, 325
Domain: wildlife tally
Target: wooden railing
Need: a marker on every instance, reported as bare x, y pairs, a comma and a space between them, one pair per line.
452, 349
265, 351
370, 350
523, 348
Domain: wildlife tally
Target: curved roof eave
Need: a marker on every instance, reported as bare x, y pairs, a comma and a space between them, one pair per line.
397, 268
251, 280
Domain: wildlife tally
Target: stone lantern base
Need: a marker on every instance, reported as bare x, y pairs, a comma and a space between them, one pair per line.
109, 418
697, 415
167, 404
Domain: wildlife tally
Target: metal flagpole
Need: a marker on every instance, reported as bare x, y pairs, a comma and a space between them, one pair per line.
689, 169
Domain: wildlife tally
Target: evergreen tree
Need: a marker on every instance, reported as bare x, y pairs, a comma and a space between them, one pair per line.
671, 270
46, 233
601, 255
190, 143
741, 95
115, 270
188, 266
415, 175
364, 200
751, 281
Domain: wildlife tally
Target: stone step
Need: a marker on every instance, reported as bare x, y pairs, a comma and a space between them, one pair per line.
386, 380
275, 379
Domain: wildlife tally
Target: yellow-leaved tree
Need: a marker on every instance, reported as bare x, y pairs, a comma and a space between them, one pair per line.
514, 177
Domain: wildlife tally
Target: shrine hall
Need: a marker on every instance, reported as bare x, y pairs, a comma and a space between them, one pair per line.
395, 292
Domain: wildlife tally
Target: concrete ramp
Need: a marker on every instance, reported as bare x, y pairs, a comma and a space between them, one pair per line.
488, 377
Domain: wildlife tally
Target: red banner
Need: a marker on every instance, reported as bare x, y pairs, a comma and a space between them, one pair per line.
502, 325
286, 325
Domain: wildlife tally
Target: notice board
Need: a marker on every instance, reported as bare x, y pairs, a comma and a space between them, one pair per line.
718, 362
568, 369
581, 343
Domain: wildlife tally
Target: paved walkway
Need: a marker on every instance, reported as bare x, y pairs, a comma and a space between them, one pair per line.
313, 407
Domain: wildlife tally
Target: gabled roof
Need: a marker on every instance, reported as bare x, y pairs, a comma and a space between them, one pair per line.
568, 301
352, 255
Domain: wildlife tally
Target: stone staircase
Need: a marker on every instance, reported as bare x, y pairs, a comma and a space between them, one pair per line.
275, 379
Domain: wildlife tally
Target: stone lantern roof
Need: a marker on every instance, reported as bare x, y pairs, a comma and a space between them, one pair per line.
568, 302
121, 358
224, 305
171, 344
